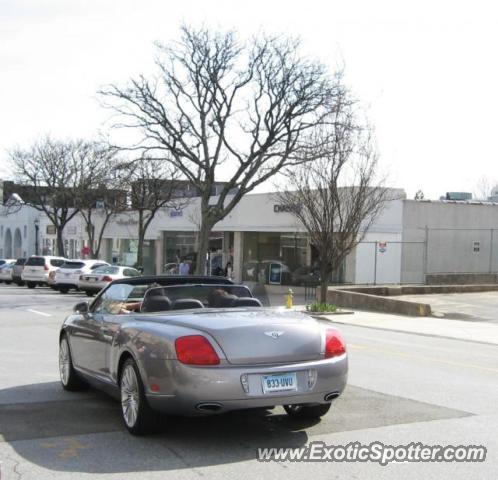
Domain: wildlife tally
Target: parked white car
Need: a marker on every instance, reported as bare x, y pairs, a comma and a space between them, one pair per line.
68, 275
6, 272
3, 261
92, 283
37, 269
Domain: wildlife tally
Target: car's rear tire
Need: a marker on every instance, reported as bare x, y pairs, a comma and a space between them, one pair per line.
20, 284
63, 290
8, 282
69, 378
89, 294
31, 284
137, 415
307, 411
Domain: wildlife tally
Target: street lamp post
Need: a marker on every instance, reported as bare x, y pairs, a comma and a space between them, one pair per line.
37, 226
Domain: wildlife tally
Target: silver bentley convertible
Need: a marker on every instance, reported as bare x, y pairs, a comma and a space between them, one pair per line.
192, 345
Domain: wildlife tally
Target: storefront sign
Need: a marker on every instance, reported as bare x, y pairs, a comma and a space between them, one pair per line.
126, 221
286, 208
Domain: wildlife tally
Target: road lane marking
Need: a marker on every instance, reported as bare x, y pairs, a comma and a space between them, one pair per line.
423, 357
39, 313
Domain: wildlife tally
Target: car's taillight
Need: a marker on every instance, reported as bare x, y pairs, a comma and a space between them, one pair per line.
82, 277
334, 344
106, 278
195, 350
46, 268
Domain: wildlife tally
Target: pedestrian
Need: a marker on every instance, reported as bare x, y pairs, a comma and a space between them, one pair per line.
184, 267
228, 270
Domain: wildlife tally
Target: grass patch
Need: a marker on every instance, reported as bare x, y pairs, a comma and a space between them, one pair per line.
318, 307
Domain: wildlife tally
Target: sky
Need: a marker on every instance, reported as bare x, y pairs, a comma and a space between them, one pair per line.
425, 71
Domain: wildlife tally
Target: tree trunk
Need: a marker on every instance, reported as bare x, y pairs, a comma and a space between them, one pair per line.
141, 237
60, 242
91, 243
98, 243
200, 268
324, 283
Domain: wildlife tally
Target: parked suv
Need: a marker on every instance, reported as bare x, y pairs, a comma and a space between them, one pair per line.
36, 269
17, 271
68, 275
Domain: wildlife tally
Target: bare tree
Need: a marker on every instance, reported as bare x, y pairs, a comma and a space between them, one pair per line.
221, 109
336, 197
483, 187
50, 173
153, 185
107, 196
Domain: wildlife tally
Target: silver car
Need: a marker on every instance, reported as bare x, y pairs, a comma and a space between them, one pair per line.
199, 345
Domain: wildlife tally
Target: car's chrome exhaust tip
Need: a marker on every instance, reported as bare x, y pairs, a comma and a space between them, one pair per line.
209, 407
330, 396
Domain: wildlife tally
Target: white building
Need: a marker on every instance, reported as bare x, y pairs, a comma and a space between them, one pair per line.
257, 237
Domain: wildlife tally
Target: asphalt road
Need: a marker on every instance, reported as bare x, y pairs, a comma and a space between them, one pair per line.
402, 388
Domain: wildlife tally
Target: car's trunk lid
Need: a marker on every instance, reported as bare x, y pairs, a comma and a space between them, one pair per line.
258, 336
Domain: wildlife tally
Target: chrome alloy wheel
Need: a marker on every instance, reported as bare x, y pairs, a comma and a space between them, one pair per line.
130, 396
64, 362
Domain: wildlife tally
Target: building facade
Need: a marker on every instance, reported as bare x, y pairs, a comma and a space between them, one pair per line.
264, 243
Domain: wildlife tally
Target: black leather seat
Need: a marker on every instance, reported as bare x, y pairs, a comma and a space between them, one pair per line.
186, 303
246, 302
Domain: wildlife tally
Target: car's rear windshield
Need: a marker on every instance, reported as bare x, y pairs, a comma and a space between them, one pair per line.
20, 261
36, 261
107, 270
72, 265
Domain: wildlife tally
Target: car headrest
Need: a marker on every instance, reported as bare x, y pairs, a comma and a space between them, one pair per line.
246, 302
185, 303
153, 303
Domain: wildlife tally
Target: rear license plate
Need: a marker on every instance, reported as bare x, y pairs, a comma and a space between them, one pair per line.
282, 382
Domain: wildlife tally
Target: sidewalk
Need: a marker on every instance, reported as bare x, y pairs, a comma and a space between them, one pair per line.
461, 330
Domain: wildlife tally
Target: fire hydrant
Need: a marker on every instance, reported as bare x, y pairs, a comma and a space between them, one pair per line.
289, 298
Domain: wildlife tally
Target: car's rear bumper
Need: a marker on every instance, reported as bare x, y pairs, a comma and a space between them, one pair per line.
92, 287
187, 388
62, 285
28, 277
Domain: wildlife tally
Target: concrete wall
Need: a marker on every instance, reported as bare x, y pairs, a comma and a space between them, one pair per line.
450, 230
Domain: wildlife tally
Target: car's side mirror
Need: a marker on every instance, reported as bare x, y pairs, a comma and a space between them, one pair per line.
81, 307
